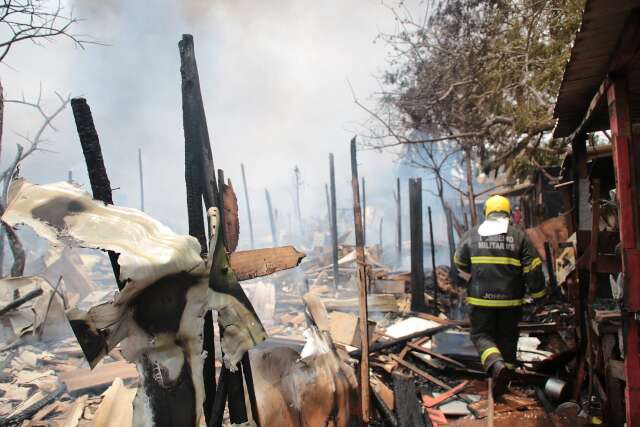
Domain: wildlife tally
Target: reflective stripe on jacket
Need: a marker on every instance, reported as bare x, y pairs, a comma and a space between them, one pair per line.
501, 267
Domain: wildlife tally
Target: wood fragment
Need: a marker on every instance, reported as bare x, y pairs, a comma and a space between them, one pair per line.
116, 409
263, 262
431, 402
103, 375
75, 413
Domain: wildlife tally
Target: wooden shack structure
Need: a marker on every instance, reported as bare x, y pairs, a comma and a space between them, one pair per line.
600, 91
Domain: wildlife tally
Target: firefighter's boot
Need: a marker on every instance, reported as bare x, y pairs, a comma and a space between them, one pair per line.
500, 375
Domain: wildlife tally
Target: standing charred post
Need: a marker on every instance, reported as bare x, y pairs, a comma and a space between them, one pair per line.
362, 280
246, 197
272, 220
417, 243
70, 177
326, 193
98, 178
433, 262
141, 179
399, 218
334, 221
364, 214
200, 183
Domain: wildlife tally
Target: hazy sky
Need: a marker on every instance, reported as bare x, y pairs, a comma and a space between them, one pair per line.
274, 80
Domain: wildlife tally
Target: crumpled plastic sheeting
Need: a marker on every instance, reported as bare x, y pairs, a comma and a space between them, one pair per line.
63, 213
160, 312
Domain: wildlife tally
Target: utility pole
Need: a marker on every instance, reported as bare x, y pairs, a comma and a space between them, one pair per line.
141, 179
364, 213
334, 221
362, 280
417, 243
246, 198
272, 220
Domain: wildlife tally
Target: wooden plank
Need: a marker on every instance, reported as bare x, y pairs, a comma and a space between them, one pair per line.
388, 286
375, 302
103, 375
362, 281
263, 262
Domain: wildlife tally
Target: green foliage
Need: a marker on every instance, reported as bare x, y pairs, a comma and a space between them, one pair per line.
486, 74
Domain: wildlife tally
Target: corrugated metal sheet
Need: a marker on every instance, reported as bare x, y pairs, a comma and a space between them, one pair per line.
603, 23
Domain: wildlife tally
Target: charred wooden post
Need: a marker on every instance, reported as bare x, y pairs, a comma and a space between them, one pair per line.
70, 177
141, 176
246, 198
326, 194
98, 178
364, 214
334, 221
417, 244
408, 408
200, 183
272, 220
362, 287
380, 230
196, 133
399, 217
234, 380
433, 262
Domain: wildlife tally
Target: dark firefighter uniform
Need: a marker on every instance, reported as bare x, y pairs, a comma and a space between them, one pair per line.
501, 267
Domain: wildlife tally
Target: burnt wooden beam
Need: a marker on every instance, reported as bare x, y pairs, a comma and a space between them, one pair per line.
200, 183
98, 178
362, 281
408, 408
334, 221
417, 245
194, 119
19, 301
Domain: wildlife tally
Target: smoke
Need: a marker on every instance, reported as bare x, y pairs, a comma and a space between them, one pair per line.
274, 82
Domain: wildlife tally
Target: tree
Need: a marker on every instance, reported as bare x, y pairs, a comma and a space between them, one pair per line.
482, 75
36, 21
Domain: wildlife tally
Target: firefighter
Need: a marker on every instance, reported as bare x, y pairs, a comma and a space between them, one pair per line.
501, 262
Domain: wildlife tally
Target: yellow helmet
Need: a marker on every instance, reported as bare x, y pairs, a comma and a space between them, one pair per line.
497, 204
